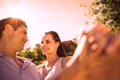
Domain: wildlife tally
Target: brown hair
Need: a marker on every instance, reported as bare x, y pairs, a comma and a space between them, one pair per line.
14, 22
60, 50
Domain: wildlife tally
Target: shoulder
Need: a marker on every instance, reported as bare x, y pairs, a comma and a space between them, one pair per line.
24, 59
65, 60
40, 66
1, 57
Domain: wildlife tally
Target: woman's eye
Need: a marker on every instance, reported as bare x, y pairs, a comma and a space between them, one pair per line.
47, 41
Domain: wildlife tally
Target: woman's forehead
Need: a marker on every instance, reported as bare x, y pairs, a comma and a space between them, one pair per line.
48, 36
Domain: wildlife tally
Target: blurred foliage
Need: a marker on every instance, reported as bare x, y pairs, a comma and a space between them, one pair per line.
69, 47
37, 57
34, 54
107, 12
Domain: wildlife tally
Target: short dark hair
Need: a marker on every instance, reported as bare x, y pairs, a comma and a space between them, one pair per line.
56, 38
14, 22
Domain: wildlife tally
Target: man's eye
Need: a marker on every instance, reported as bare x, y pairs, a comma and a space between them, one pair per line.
41, 42
25, 33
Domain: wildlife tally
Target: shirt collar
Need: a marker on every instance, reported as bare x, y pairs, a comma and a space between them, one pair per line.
1, 55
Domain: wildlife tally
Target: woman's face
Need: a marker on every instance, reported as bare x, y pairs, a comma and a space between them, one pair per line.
48, 45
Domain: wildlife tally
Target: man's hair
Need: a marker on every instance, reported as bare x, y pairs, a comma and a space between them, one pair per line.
14, 22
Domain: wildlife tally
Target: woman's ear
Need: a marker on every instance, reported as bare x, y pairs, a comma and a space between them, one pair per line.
58, 43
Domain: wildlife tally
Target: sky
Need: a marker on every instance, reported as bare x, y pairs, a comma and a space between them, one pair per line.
66, 17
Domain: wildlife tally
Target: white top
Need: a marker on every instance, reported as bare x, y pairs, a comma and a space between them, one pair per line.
53, 73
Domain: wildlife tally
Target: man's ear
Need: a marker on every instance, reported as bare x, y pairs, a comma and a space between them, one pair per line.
8, 28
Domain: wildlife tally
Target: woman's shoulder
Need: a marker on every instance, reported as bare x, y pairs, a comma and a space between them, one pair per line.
40, 66
65, 60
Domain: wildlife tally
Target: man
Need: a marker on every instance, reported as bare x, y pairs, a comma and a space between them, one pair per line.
13, 36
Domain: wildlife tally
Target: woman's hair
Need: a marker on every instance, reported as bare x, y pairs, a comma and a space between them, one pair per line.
56, 38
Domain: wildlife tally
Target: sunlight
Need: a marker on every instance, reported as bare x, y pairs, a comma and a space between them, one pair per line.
14, 10
41, 16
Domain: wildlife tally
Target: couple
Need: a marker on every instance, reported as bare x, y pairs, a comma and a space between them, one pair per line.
13, 36
98, 58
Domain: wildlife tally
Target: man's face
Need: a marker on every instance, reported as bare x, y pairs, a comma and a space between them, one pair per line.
19, 38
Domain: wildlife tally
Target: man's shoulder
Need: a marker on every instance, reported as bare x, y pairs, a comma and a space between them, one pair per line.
1, 54
24, 59
2, 57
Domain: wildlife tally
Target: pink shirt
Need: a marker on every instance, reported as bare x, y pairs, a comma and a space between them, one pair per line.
9, 70
54, 72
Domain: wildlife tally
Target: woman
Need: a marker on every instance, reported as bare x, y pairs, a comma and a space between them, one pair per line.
51, 46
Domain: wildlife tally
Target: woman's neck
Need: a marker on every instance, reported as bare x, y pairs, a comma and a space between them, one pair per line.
52, 60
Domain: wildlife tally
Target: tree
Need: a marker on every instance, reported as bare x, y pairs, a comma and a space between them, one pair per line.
39, 57
107, 12
69, 47
34, 54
